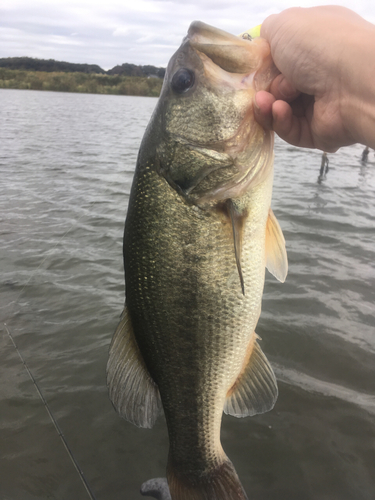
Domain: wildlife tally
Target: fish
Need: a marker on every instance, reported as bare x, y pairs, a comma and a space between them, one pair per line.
199, 233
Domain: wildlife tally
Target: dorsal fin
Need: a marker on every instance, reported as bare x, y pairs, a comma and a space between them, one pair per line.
237, 226
255, 390
132, 391
276, 257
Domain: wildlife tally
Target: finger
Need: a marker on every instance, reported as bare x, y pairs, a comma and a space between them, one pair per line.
281, 88
267, 26
289, 127
263, 102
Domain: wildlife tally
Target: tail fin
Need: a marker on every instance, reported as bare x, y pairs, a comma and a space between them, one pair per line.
221, 483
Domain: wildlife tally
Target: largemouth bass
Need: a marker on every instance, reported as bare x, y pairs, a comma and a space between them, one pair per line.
199, 233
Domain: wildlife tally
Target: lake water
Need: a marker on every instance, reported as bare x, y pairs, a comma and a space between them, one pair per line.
66, 166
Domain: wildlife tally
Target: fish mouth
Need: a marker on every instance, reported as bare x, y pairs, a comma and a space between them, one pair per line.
242, 58
229, 52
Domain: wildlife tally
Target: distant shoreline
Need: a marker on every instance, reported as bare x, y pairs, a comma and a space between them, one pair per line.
88, 83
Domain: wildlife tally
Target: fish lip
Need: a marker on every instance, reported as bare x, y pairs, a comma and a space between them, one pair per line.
230, 53
205, 33
248, 61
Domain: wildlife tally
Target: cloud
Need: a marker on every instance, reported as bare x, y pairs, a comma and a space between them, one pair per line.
122, 31
112, 32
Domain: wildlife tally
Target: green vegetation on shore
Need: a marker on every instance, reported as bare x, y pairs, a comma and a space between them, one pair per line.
34, 64
50, 65
92, 83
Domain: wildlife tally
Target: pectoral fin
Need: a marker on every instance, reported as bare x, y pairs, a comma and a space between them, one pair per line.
255, 390
237, 226
276, 257
132, 391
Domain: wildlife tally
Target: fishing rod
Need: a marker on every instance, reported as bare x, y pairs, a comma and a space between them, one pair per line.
38, 390
51, 416
156, 488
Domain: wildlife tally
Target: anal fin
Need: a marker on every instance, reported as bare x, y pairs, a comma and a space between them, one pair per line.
132, 391
255, 390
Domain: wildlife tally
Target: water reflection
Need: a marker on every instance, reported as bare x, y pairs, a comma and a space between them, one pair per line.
324, 167
66, 167
365, 154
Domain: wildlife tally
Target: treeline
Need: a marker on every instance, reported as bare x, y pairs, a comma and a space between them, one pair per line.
92, 83
51, 66
127, 69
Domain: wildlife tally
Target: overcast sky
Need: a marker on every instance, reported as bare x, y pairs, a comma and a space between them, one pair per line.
110, 32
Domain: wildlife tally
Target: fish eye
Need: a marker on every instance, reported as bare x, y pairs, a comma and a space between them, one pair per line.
182, 80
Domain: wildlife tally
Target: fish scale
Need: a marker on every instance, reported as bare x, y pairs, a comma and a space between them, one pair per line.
220, 324
198, 234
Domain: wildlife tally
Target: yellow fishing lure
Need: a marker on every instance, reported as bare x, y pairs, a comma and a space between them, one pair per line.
252, 32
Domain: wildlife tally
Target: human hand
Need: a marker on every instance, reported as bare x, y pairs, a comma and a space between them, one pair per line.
324, 97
